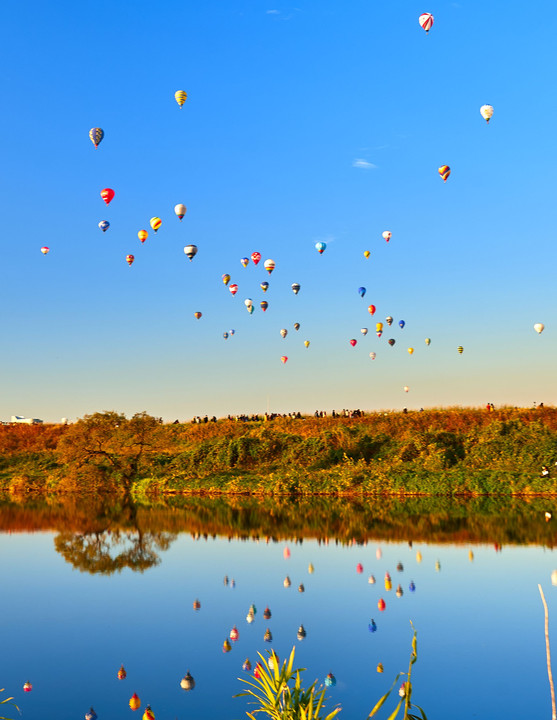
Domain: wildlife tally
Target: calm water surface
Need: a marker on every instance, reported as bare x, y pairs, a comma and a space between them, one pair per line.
85, 590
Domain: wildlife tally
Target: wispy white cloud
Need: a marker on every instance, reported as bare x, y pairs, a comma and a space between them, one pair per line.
273, 12
361, 163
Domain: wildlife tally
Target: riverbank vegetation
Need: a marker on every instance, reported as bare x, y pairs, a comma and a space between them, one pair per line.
436, 452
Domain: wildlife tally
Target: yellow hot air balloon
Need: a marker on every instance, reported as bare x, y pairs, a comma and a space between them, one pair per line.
427, 341
306, 343
460, 349
378, 327
486, 111
410, 350
380, 668
444, 171
311, 569
419, 557
156, 222
143, 235
181, 96
148, 714
366, 253
135, 702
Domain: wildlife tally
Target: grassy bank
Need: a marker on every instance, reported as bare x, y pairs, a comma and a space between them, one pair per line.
442, 452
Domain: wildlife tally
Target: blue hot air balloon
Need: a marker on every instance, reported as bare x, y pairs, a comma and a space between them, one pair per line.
401, 324
320, 247
412, 587
104, 225
362, 291
330, 680
372, 627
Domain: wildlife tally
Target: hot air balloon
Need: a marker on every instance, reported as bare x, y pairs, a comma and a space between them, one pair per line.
371, 309
295, 288
187, 682
311, 569
255, 257
380, 668
426, 21
381, 604
379, 333
361, 291
372, 627
412, 587
306, 343
437, 566
180, 96
460, 349
389, 320
225, 335
330, 680
143, 235
267, 614
301, 588
401, 324
269, 266
196, 605
155, 223
366, 254
388, 583
107, 194
27, 687
247, 665
296, 326
410, 351
250, 309
130, 259
148, 714
486, 111
353, 342
180, 210
359, 568
122, 674
364, 331
372, 355
91, 715
538, 327
398, 591
378, 327
197, 315
287, 583
104, 225
135, 702
234, 634
427, 341
444, 171
268, 636
273, 661
320, 247
419, 557
301, 634
264, 305
371, 580
406, 388
264, 286
233, 289
45, 250
252, 609
190, 251
284, 359
96, 135
387, 235
257, 671
284, 332
286, 553
245, 262
226, 646
226, 279
232, 332
391, 342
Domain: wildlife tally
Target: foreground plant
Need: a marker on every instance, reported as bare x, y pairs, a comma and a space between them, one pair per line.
405, 691
275, 697
7, 701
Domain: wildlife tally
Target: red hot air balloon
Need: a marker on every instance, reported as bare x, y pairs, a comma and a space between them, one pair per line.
107, 195
135, 702
27, 687
286, 553
284, 359
45, 250
353, 342
234, 634
233, 289
255, 257
122, 674
381, 604
371, 309
426, 21
130, 259
359, 568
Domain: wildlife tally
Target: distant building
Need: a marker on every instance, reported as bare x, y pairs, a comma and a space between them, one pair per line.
26, 421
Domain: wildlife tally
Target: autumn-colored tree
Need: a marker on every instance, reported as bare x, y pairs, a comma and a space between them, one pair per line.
107, 452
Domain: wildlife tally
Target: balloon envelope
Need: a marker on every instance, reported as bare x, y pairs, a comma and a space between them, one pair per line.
444, 171
364, 331
427, 341
226, 278
255, 257
361, 291
391, 342
401, 324
320, 247
233, 289
460, 349
264, 305
130, 259
371, 309
155, 223
269, 266
180, 210
367, 253
486, 111
426, 21
180, 96
190, 251
104, 225
284, 332
372, 355
284, 359
538, 327
306, 343
353, 342
387, 235
107, 194
96, 134
295, 288
143, 235
264, 286
245, 261
45, 250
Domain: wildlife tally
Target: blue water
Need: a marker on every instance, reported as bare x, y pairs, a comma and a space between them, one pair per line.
481, 649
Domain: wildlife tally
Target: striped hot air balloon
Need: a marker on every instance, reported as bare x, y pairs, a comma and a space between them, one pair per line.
96, 134
426, 21
155, 223
180, 210
148, 714
130, 259
444, 171
460, 349
180, 96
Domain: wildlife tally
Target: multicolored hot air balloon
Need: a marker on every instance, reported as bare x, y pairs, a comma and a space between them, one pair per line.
247, 665
255, 257
428, 341
538, 327
320, 247
180, 96
295, 288
267, 614
27, 687
130, 259
226, 278
187, 682
122, 674
268, 636
190, 251
391, 342
196, 605
264, 305
264, 286
96, 134
269, 266
45, 250
372, 355
381, 604
330, 680
234, 634
135, 702
378, 327
225, 335
233, 289
197, 315
361, 291
148, 714
155, 223
284, 359
143, 235
107, 195
486, 111
387, 235
91, 715
296, 326
226, 646
245, 262
248, 302
104, 225
406, 388
366, 254
426, 21
301, 634
444, 171
389, 320
180, 210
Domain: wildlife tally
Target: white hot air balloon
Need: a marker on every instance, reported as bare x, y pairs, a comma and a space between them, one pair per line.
364, 331
486, 111
538, 327
387, 235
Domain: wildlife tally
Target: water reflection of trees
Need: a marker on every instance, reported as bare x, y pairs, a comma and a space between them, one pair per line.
106, 535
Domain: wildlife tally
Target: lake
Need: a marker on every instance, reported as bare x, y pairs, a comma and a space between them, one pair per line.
88, 586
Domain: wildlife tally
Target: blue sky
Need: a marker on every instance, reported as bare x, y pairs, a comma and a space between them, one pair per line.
286, 107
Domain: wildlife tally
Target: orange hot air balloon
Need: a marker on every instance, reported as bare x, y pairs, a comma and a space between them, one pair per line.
130, 259
143, 235
255, 257
284, 359
444, 171
148, 714
197, 315
371, 309
196, 605
234, 634
286, 553
135, 702
122, 674
381, 604
107, 195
